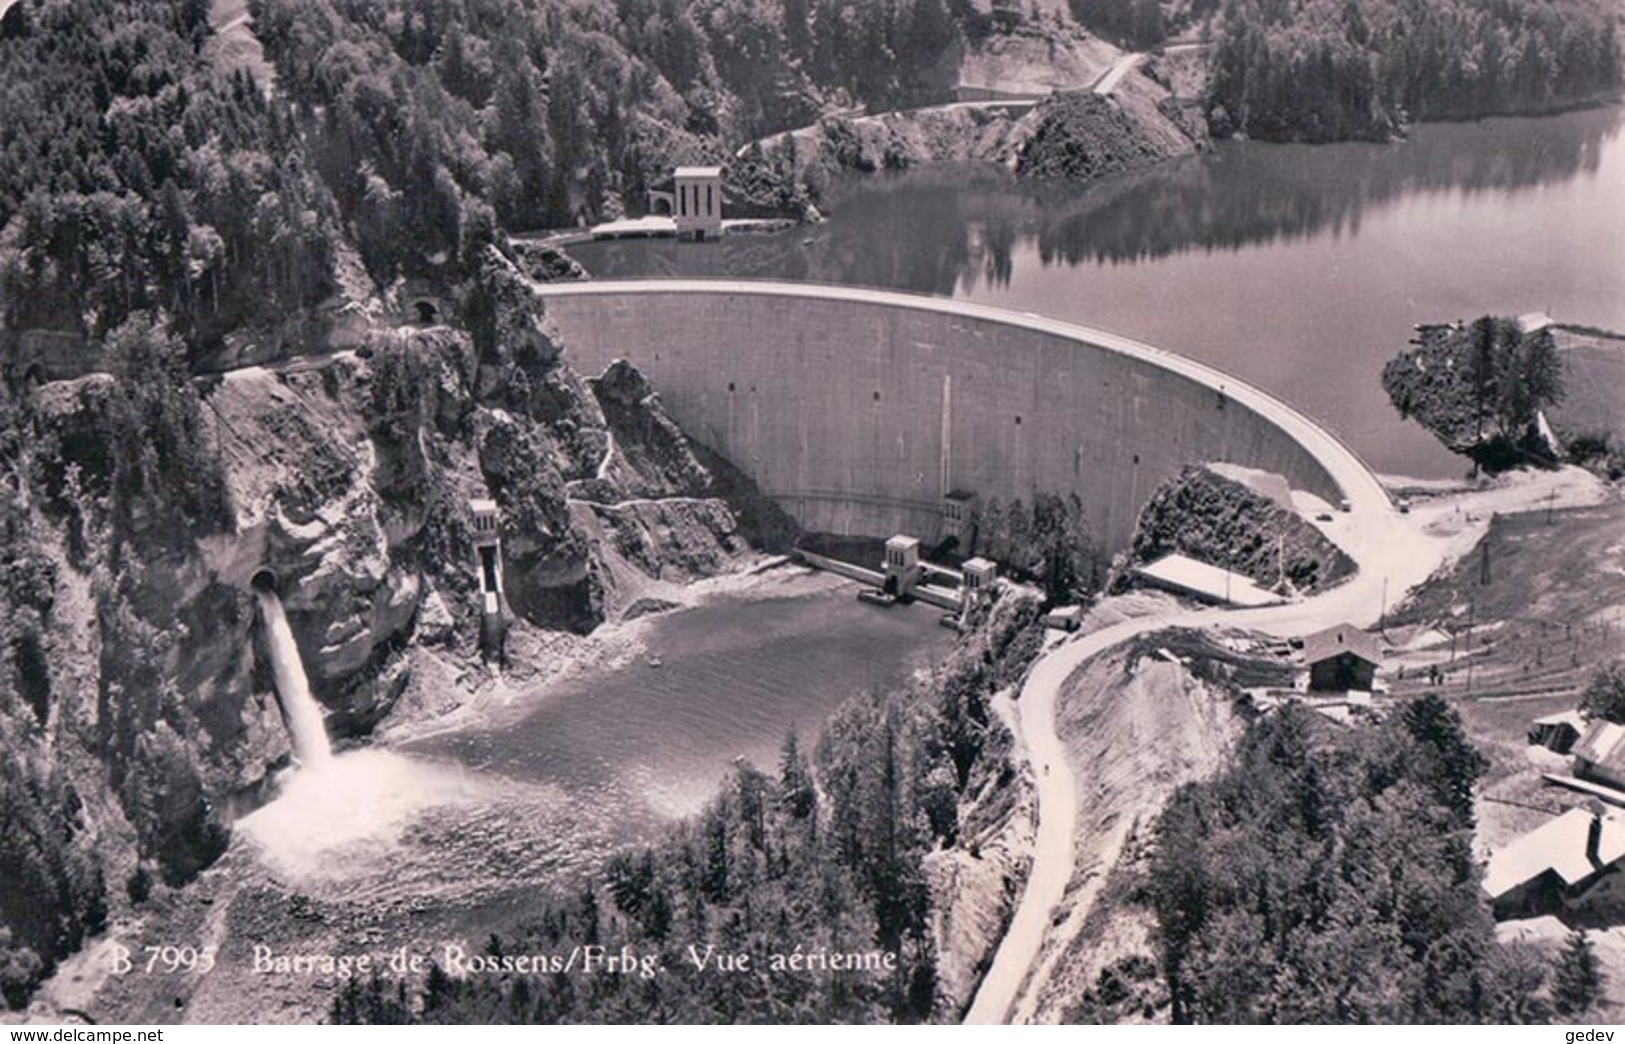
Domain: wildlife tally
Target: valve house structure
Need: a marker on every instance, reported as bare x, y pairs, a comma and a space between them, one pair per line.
488, 563
697, 203
902, 566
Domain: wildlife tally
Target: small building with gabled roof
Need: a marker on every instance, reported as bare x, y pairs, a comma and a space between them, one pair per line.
1599, 754
1341, 659
1558, 864
1557, 732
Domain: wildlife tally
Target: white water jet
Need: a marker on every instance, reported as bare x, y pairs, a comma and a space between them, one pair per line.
338, 817
351, 819
299, 707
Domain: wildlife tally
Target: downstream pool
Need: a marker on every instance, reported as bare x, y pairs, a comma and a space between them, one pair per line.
543, 787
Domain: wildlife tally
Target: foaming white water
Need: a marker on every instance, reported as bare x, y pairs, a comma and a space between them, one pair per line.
352, 809
299, 707
670, 798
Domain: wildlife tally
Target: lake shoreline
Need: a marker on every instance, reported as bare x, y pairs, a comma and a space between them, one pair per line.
1300, 269
541, 660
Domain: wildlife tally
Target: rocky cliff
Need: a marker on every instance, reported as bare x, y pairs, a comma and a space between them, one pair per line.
136, 708
1086, 135
976, 882
1075, 134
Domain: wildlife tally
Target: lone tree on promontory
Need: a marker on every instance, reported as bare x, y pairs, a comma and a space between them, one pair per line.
1481, 387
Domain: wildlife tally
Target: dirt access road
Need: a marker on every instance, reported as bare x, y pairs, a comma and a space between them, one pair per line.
1395, 553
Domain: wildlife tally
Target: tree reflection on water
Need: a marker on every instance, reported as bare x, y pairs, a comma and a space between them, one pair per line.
948, 230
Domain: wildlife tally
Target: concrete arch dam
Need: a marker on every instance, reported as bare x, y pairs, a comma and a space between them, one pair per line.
857, 410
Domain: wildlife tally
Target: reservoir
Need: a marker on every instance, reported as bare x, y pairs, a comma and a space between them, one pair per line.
1301, 269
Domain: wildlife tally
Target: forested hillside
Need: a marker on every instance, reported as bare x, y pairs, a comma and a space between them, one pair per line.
137, 176
1328, 877
1481, 388
1320, 70
155, 203
1135, 23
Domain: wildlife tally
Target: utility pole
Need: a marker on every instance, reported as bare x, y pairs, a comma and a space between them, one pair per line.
1467, 646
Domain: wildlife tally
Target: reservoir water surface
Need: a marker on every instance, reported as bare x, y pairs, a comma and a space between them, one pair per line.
1302, 269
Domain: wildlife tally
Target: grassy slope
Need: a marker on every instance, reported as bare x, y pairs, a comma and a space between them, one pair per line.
1595, 399
1552, 609
1553, 606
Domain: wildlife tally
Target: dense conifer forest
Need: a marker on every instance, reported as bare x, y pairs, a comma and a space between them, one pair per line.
1331, 70
155, 200
136, 178
138, 175
1327, 875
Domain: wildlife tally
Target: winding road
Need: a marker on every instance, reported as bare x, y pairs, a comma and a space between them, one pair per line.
1395, 552
1371, 523
1122, 67
1108, 82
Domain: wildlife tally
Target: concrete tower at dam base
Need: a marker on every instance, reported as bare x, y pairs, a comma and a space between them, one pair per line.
859, 411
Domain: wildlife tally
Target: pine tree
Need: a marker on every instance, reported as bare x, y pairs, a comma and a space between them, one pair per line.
795, 778
1578, 980
1455, 765
1540, 372
797, 28
1481, 367
1604, 695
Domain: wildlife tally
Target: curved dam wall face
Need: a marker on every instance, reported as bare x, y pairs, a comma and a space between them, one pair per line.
857, 410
